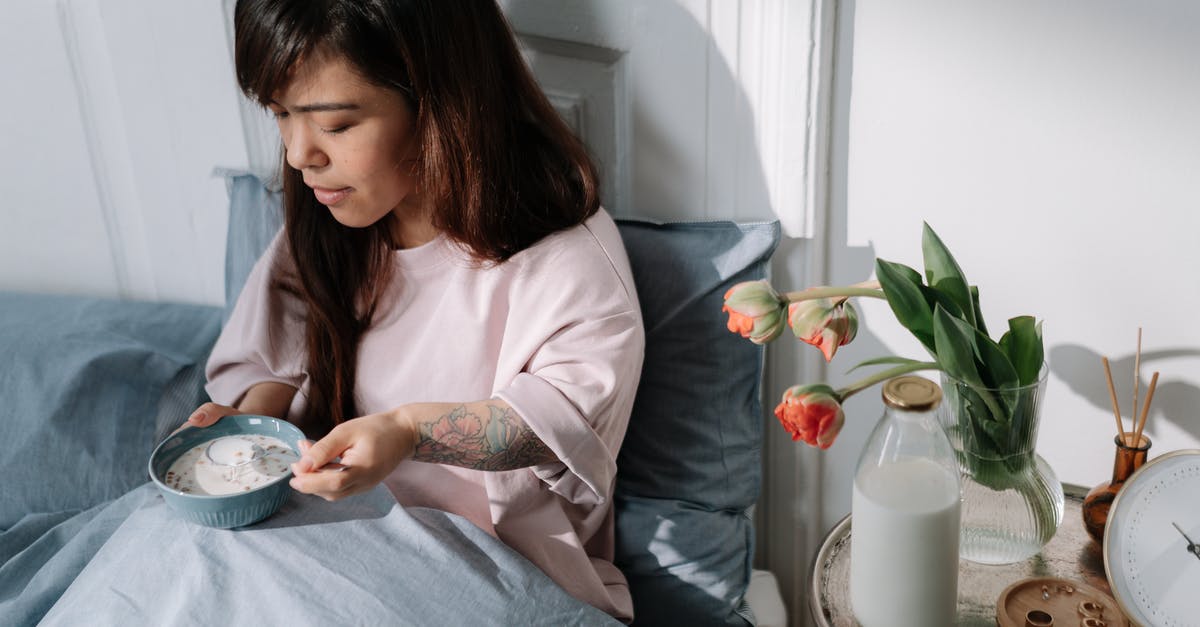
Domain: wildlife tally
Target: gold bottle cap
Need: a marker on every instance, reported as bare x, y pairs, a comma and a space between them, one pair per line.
912, 394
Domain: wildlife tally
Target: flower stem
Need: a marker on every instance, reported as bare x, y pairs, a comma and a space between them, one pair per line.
813, 293
884, 375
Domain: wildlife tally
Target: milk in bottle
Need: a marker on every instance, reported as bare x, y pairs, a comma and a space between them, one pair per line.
905, 515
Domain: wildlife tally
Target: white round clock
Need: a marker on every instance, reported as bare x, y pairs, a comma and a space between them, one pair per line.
1152, 542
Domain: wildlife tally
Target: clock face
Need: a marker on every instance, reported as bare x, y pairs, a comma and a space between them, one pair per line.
1152, 542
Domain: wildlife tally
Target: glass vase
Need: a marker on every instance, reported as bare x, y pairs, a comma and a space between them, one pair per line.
1130, 456
1012, 500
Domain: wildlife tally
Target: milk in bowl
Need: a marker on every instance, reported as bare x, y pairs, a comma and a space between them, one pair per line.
231, 464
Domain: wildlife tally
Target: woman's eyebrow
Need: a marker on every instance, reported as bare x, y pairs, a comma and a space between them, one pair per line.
321, 106
327, 106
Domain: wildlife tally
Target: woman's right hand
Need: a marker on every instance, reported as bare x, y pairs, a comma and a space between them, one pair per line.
268, 398
209, 413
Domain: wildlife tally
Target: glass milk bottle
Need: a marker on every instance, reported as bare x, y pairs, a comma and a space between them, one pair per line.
905, 515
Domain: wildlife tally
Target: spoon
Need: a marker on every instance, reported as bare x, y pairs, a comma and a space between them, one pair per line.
235, 468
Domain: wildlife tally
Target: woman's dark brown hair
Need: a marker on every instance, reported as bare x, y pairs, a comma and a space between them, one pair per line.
498, 166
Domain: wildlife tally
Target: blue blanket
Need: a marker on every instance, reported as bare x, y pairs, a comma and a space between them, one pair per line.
361, 561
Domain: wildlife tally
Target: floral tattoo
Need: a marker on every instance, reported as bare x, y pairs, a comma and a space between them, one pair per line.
501, 441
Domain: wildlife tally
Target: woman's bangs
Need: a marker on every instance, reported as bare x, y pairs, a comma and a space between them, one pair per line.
267, 47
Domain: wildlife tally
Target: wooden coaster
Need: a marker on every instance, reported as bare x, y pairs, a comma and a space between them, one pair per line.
1053, 602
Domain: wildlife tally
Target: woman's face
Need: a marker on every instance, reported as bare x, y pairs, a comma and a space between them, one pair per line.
352, 141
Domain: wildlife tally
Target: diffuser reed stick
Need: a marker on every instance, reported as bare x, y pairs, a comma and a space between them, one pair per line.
1137, 437
1137, 378
1112, 394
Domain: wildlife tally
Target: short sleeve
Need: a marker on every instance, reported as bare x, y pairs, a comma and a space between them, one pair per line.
264, 337
578, 329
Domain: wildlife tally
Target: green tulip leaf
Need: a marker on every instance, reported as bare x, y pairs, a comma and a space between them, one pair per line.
975, 415
997, 371
997, 431
1023, 345
955, 347
905, 298
978, 311
992, 364
943, 274
912, 275
879, 361
934, 297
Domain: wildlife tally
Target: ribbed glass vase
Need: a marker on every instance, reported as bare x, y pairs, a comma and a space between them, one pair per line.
1012, 499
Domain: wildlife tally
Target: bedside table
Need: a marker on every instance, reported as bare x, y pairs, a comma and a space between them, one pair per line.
1070, 554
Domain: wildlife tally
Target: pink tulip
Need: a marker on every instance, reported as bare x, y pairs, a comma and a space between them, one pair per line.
826, 323
755, 311
812, 413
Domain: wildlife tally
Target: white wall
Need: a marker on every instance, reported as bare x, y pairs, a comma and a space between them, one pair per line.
1055, 147
114, 115
47, 183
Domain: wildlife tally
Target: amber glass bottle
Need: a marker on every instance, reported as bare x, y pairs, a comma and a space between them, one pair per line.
1095, 506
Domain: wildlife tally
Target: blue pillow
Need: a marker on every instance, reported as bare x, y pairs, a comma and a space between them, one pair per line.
90, 386
255, 216
690, 467
691, 463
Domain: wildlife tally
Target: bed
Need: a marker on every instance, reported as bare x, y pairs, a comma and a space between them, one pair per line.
91, 385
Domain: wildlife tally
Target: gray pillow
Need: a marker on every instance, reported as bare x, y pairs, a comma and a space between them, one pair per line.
90, 386
255, 216
690, 466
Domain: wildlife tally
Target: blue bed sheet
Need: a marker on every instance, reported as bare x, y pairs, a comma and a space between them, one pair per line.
361, 561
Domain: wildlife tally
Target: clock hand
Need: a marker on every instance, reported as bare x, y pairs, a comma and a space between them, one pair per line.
1192, 547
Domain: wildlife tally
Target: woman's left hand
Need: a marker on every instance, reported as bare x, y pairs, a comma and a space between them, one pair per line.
370, 447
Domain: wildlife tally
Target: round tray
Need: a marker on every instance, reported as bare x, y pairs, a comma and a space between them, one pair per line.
1063, 601
1071, 554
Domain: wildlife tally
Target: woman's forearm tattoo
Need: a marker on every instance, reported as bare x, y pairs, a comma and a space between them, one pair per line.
498, 441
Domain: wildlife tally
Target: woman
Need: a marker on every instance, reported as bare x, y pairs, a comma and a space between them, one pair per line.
447, 308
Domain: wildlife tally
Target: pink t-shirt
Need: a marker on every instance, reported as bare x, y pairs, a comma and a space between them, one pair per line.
555, 331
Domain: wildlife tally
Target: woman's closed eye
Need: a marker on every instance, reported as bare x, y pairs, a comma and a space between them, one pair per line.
329, 130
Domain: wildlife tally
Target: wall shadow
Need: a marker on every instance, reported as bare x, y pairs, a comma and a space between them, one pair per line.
1175, 400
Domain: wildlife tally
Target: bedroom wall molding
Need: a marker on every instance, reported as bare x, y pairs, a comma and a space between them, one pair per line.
782, 80
783, 52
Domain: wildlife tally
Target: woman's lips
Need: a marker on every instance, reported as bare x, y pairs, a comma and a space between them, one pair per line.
330, 197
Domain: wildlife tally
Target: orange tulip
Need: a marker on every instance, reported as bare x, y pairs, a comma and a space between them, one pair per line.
812, 413
826, 323
755, 311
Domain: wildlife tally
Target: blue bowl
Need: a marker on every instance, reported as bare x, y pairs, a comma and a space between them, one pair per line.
229, 510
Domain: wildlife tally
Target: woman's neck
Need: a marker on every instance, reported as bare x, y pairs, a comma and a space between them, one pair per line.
412, 227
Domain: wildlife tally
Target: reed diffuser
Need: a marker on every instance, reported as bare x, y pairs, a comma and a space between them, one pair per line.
1132, 448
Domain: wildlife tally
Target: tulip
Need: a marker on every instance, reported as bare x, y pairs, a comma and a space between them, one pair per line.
826, 323
755, 311
812, 413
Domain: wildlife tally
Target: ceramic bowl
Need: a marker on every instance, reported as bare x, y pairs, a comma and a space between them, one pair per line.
230, 510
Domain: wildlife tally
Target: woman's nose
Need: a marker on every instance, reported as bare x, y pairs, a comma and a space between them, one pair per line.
301, 151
